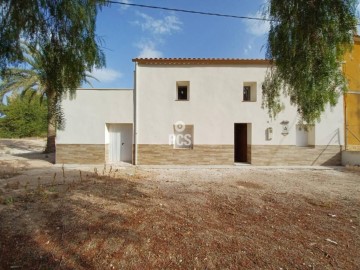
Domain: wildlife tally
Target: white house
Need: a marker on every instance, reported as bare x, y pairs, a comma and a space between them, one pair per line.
194, 111
90, 119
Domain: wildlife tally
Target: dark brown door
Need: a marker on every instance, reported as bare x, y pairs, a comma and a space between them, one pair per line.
240, 142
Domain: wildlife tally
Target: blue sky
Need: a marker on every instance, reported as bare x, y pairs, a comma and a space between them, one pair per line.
130, 32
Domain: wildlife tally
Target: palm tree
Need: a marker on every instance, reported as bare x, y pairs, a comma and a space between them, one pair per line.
42, 69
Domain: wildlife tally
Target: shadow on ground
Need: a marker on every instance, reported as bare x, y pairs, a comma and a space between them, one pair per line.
38, 156
70, 223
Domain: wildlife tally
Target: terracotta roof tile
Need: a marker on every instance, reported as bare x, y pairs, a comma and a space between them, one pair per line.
201, 61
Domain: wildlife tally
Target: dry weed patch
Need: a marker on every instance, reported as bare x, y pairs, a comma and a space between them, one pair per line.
135, 219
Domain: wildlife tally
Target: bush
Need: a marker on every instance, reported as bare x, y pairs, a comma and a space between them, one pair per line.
23, 116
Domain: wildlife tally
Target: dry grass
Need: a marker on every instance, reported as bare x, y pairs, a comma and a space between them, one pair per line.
178, 219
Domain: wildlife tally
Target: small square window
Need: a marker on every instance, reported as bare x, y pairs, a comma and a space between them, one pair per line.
247, 93
183, 90
182, 93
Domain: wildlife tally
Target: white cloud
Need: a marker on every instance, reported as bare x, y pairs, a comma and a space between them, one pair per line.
157, 29
255, 27
106, 74
166, 25
247, 49
124, 7
148, 50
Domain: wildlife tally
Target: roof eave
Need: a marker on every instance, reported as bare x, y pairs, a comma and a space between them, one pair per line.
201, 61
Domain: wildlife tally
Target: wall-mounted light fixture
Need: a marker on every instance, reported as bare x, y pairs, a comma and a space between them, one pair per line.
285, 128
269, 133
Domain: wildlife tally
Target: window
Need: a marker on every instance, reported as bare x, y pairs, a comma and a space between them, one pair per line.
249, 91
183, 137
182, 93
182, 90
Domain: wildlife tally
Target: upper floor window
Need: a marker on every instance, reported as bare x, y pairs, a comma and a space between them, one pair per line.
249, 91
183, 90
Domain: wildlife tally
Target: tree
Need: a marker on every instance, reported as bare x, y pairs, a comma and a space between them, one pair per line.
69, 23
23, 116
43, 71
64, 33
307, 42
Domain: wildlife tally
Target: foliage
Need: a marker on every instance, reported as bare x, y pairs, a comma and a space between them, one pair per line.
68, 25
307, 41
61, 49
36, 73
25, 116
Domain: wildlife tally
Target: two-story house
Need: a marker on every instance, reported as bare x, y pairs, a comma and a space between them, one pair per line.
192, 112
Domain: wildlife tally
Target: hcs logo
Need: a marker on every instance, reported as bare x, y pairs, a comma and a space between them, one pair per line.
180, 138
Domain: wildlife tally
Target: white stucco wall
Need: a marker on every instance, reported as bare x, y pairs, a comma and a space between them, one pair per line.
215, 104
87, 114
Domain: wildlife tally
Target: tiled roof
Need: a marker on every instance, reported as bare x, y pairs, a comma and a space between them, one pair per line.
201, 61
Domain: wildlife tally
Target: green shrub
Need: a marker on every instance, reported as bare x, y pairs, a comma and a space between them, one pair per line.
23, 116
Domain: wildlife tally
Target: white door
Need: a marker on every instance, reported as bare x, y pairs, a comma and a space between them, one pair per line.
126, 143
302, 136
120, 147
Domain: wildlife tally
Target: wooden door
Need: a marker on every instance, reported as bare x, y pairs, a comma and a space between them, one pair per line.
240, 142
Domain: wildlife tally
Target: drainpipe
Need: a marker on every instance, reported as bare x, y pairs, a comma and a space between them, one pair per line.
135, 115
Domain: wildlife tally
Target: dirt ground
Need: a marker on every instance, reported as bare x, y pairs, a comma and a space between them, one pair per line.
96, 217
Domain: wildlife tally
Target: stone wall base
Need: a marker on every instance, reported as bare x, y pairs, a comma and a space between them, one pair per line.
353, 147
293, 155
262, 155
163, 154
81, 153
351, 158
152, 154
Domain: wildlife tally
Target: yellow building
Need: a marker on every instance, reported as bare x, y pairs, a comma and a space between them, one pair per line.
352, 98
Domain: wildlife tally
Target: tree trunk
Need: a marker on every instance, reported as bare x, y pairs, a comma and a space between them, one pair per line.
51, 130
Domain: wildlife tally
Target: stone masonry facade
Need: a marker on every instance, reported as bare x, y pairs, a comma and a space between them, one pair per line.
326, 155
151, 154
261, 155
81, 153
163, 154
